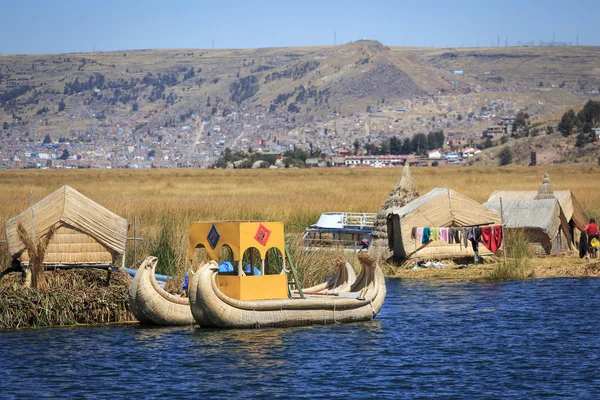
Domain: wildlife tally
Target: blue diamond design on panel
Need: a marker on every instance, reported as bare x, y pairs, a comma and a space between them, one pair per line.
213, 237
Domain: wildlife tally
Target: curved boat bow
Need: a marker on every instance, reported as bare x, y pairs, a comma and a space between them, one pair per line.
151, 304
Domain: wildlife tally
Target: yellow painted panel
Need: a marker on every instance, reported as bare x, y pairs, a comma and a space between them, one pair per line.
276, 238
254, 287
229, 285
239, 235
263, 287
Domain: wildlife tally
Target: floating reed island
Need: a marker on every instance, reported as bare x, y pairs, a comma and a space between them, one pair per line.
65, 297
62, 250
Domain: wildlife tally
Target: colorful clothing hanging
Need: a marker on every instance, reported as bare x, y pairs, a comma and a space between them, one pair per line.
445, 235
419, 235
491, 237
426, 236
498, 235
455, 233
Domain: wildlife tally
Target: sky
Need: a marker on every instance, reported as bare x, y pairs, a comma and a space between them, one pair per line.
64, 26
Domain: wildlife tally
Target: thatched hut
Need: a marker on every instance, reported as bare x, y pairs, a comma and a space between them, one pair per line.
403, 193
86, 234
439, 208
542, 220
576, 217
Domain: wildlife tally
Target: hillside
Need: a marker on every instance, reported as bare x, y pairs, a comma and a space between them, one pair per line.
312, 77
189, 105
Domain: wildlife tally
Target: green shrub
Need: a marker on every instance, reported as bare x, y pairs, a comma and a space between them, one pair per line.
518, 263
505, 156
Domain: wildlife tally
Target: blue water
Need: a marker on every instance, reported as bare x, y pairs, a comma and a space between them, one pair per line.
432, 339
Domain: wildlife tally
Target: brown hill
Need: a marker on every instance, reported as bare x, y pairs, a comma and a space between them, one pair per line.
84, 93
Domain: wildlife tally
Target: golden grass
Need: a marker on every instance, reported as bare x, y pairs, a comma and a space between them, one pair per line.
296, 197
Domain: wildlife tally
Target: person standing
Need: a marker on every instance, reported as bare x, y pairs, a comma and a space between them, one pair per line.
592, 231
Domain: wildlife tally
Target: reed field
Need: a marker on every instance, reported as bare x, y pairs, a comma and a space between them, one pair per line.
166, 201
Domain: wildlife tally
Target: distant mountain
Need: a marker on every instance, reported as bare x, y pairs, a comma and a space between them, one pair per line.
86, 96
166, 84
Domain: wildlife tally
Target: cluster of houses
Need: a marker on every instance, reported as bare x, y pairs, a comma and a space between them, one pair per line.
433, 158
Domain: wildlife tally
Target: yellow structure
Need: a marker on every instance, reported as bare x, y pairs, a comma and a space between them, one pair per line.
241, 236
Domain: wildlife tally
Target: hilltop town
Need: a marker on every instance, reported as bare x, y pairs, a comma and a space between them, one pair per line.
189, 108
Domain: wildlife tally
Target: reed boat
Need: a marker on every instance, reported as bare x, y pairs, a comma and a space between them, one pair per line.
212, 307
153, 305
237, 300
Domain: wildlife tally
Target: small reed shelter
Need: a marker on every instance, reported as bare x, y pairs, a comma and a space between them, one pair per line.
86, 234
576, 217
551, 219
441, 208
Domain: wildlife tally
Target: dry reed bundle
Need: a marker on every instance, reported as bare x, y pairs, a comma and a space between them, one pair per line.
71, 297
37, 252
403, 193
545, 191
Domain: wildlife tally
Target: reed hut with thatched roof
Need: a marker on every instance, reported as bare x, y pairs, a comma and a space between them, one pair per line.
403, 193
441, 207
84, 232
573, 212
542, 220
541, 215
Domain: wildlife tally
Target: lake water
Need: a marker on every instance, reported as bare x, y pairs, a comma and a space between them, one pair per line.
432, 339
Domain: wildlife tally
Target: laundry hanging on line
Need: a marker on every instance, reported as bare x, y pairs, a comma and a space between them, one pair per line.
490, 236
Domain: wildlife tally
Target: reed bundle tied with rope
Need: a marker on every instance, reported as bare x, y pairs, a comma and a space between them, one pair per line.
37, 252
69, 297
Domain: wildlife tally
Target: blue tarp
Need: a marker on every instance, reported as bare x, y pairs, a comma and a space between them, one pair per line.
159, 277
228, 267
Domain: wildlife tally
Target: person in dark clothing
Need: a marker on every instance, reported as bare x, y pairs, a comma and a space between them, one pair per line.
583, 246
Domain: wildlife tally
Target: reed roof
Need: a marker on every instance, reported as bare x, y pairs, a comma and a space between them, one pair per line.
543, 214
444, 207
569, 204
69, 208
441, 207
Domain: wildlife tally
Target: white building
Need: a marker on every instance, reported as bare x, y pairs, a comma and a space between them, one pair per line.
434, 154
375, 161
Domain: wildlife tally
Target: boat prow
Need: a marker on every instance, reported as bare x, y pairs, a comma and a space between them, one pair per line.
151, 304
362, 303
341, 281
